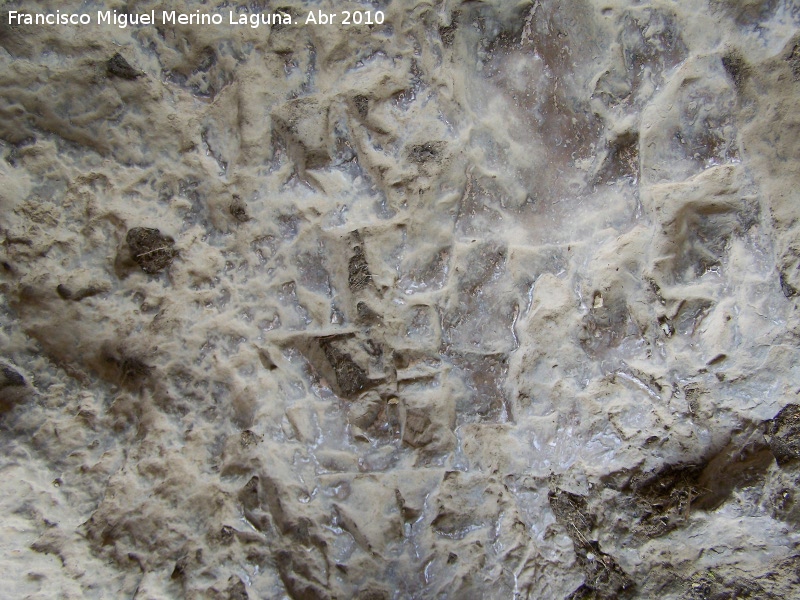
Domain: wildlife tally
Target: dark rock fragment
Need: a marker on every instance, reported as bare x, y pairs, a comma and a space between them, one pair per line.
287, 11
787, 288
10, 378
180, 567
373, 593
571, 511
736, 68
366, 314
64, 291
350, 377
604, 577
411, 514
419, 430
362, 105
712, 585
358, 274
266, 360
238, 209
249, 495
117, 66
794, 61
87, 292
298, 578
207, 58
14, 390
427, 152
622, 160
447, 33
665, 499
784, 441
151, 250
227, 535
126, 368
236, 589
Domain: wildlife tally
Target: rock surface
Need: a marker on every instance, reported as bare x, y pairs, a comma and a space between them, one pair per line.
490, 300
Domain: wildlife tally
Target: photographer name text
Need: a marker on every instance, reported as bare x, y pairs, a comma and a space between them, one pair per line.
171, 17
